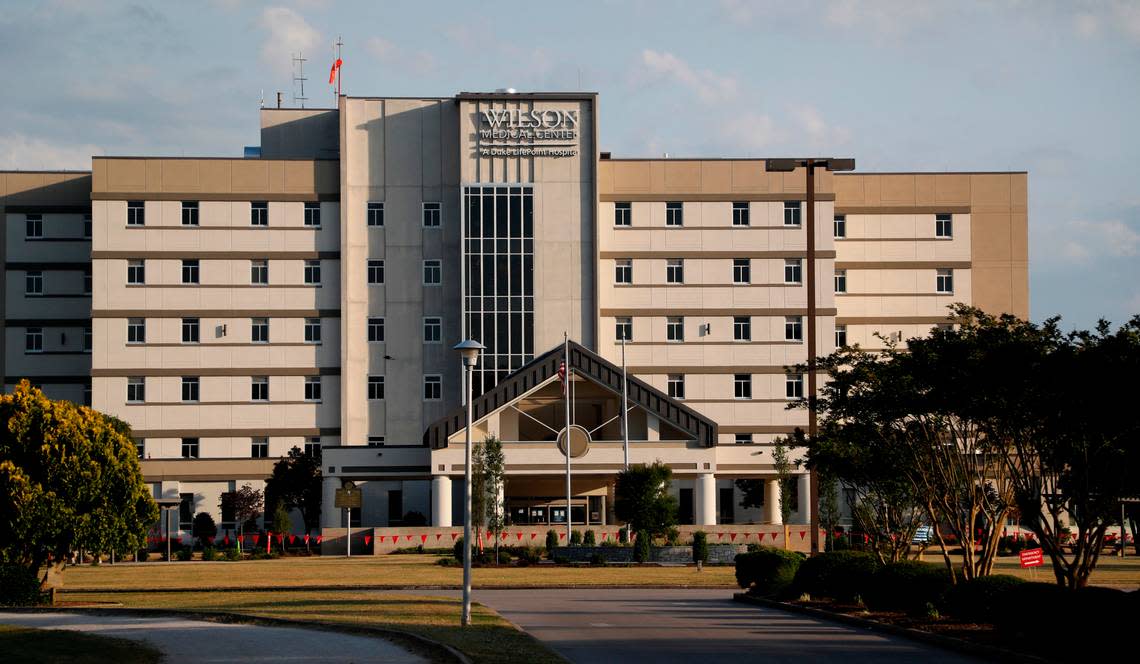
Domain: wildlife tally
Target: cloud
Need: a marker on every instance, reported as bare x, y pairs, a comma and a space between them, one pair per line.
1090, 240
710, 87
816, 131
891, 17
1086, 25
287, 33
28, 153
749, 132
419, 62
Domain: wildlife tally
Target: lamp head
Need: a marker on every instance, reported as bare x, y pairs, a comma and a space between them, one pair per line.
469, 350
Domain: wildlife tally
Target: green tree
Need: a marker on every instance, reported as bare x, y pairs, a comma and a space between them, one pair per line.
203, 528
282, 522
246, 504
829, 512
296, 482
491, 468
641, 498
69, 479
784, 467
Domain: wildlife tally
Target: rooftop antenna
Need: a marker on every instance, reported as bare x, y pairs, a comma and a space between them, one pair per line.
299, 79
261, 104
336, 70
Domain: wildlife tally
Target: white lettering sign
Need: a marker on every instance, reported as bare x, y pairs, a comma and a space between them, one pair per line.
534, 133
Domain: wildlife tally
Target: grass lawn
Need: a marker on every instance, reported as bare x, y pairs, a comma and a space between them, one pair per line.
1110, 571
394, 571
490, 639
57, 646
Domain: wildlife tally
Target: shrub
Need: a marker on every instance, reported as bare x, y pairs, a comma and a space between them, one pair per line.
182, 554
233, 554
907, 585
457, 550
203, 528
597, 559
529, 555
641, 546
700, 547
551, 542
19, 586
979, 600
576, 538
623, 536
672, 536
589, 539
767, 571
840, 575
209, 553
142, 555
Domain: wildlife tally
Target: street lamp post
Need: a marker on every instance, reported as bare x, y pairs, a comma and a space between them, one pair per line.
469, 351
788, 165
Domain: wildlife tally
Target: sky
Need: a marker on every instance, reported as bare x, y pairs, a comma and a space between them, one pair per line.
1052, 88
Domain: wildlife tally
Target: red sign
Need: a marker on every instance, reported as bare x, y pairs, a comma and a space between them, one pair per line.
1032, 558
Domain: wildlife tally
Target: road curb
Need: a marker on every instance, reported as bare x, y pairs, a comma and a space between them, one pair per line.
432, 649
274, 589
946, 642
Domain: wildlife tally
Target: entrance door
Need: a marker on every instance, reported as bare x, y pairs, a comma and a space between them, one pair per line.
395, 507
727, 505
685, 512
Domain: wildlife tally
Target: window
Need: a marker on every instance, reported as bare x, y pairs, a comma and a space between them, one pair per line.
376, 329
140, 447
136, 213
34, 340
313, 445
742, 386
793, 328
433, 330
136, 330
136, 272
259, 272
33, 226
33, 282
433, 388
623, 214
794, 386
87, 339
742, 270
742, 328
87, 225
623, 329
313, 330
312, 214
943, 225
791, 213
675, 271
674, 214
793, 271
189, 449
136, 389
312, 388
944, 281
259, 213
375, 388
431, 215
87, 285
740, 214
675, 328
189, 213
313, 272
190, 271
186, 506
676, 385
840, 336
743, 439
190, 329
623, 271
433, 272
87, 394
259, 448
375, 441
375, 271
190, 388
841, 281
375, 213
259, 388
259, 330
840, 225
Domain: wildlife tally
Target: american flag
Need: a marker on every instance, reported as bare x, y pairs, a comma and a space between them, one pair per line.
562, 375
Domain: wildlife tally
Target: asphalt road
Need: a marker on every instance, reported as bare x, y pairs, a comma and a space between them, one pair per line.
201, 642
686, 626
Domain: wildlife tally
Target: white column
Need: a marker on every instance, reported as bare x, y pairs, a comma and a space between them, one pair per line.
330, 515
704, 497
803, 487
772, 501
440, 501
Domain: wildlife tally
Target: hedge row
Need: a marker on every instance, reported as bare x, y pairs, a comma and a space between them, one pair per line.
767, 570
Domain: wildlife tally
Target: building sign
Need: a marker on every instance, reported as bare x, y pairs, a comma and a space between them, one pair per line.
1031, 558
534, 133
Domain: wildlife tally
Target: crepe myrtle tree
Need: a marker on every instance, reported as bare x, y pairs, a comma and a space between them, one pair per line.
296, 484
642, 498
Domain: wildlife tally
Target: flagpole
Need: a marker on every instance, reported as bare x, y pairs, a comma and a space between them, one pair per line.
625, 415
566, 393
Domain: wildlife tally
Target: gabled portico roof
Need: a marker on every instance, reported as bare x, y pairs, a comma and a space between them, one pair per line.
590, 366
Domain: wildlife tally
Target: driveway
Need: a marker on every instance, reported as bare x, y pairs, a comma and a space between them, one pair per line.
686, 626
200, 642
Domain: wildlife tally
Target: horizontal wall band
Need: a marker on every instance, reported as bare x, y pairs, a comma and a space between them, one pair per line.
746, 467
75, 379
46, 209
787, 428
46, 322
697, 253
215, 313
849, 295
738, 311
729, 285
210, 255
902, 265
212, 227
232, 433
727, 197
50, 296
734, 401
236, 197
49, 266
239, 344
780, 227
901, 209
729, 343
221, 403
384, 469
845, 240
57, 352
215, 371
893, 320
132, 286
700, 369
38, 240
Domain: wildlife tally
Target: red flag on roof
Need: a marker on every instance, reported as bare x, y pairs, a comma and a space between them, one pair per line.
335, 70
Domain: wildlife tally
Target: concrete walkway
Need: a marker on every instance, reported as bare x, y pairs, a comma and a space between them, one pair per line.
201, 642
